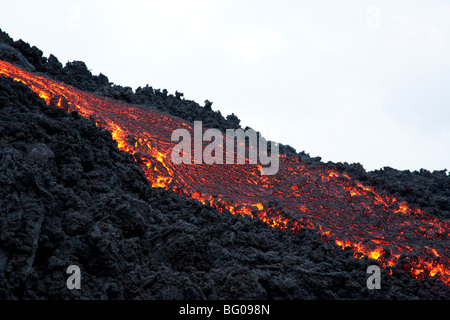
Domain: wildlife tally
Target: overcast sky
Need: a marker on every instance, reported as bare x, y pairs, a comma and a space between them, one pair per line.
349, 81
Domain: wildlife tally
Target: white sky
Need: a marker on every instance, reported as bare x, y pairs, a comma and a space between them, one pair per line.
350, 81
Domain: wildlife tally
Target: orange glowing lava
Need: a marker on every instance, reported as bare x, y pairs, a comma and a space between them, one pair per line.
341, 209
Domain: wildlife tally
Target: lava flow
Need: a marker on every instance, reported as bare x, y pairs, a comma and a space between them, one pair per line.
375, 225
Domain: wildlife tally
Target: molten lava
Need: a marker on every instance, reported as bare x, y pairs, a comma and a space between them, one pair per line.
375, 225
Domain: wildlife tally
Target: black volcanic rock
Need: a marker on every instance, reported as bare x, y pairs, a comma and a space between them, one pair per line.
69, 196
429, 191
78, 75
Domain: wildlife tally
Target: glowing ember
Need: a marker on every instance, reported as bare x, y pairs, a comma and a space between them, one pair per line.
352, 215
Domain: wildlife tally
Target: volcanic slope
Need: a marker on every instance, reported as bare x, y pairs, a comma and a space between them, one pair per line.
88, 166
429, 191
300, 195
69, 196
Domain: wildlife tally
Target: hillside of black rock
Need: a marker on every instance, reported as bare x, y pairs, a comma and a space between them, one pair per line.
69, 196
424, 189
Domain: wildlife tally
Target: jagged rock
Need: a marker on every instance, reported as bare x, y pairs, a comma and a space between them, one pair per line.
69, 196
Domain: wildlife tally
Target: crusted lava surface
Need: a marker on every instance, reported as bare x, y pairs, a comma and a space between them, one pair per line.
71, 195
